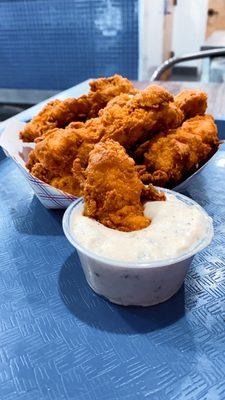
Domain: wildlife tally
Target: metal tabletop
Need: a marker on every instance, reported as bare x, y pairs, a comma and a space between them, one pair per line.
59, 340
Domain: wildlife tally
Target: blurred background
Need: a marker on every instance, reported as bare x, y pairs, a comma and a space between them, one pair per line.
50, 45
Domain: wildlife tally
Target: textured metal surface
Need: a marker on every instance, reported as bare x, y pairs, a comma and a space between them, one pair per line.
58, 340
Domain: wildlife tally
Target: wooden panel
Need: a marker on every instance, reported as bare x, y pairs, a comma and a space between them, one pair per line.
168, 28
216, 17
167, 34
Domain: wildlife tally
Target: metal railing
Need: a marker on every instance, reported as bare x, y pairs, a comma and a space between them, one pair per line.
187, 57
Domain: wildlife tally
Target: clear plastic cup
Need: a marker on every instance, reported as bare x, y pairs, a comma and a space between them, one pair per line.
136, 283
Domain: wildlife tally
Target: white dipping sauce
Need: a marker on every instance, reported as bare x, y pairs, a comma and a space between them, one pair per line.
175, 228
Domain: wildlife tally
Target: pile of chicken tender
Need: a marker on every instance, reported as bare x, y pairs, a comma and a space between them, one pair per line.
165, 138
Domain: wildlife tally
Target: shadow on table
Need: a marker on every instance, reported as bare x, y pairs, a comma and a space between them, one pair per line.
197, 190
101, 314
35, 219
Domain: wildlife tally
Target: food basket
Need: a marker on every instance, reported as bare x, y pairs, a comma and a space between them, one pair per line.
49, 196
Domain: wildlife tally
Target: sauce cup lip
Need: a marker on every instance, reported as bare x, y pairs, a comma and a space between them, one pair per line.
199, 246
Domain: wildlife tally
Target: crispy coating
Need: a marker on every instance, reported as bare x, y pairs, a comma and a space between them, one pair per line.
61, 155
150, 193
169, 157
147, 111
53, 159
191, 102
205, 128
105, 89
58, 114
71, 183
113, 190
125, 119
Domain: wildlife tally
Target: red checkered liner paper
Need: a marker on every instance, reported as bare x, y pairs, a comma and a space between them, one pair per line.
13, 147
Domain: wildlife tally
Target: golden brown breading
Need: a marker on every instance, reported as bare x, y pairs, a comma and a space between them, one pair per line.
58, 114
203, 126
52, 160
150, 193
105, 89
170, 156
125, 119
191, 102
148, 111
112, 191
71, 184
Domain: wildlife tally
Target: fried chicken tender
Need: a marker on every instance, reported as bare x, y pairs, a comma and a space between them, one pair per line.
148, 111
191, 102
113, 190
58, 114
105, 89
169, 157
52, 160
55, 114
125, 119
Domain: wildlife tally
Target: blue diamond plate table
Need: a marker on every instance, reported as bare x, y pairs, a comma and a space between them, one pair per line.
60, 341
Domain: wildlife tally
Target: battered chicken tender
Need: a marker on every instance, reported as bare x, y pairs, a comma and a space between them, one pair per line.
105, 89
69, 182
52, 160
170, 156
61, 155
148, 111
58, 114
113, 190
204, 127
125, 119
191, 102
72, 183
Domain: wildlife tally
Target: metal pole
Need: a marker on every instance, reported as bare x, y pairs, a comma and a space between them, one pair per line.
188, 57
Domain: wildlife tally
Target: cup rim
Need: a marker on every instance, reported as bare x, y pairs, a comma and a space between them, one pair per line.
196, 248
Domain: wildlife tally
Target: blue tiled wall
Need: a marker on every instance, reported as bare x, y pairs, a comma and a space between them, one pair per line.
54, 44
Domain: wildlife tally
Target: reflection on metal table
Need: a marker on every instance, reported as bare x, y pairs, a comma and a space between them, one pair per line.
59, 340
